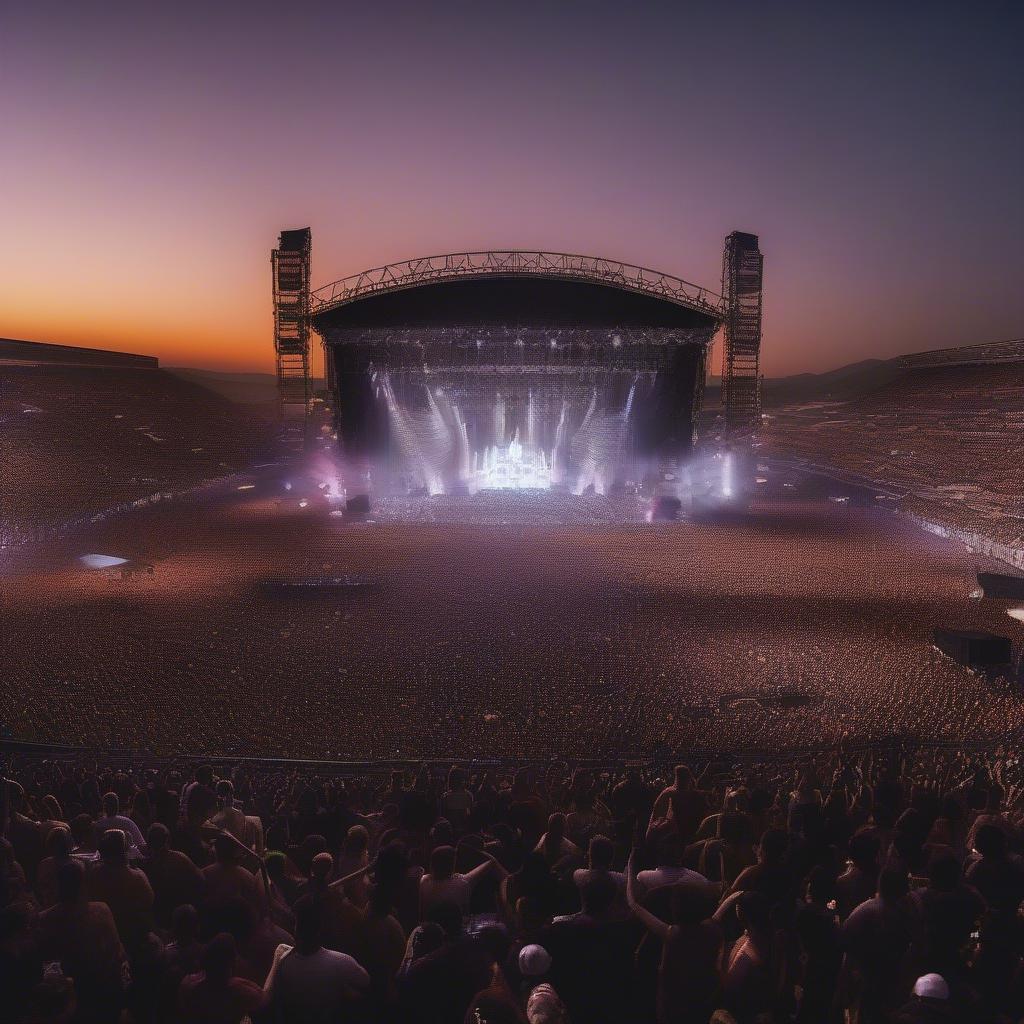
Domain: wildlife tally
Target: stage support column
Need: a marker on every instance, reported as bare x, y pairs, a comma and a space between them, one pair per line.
290, 263
742, 274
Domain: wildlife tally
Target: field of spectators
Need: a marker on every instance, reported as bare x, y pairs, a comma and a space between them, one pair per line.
801, 622
77, 440
948, 438
880, 887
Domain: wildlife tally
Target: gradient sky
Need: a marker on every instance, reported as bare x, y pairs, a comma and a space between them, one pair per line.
149, 154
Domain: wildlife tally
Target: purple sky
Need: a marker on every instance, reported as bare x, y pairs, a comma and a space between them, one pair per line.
151, 154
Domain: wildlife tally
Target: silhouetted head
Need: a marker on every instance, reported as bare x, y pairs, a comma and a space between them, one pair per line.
113, 846
158, 837
82, 830
276, 864
357, 839
59, 843
601, 852
990, 842
218, 959
864, 849
892, 885
442, 862
320, 869
225, 850
225, 793
773, 847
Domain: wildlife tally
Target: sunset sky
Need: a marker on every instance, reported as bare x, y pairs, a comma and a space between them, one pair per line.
150, 154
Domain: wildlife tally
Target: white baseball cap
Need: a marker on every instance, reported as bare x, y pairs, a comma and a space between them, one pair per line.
931, 986
534, 960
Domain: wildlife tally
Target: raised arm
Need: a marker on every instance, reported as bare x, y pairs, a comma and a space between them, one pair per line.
653, 924
659, 808
340, 883
490, 863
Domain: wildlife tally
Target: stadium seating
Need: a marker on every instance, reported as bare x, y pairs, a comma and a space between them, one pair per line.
947, 438
79, 440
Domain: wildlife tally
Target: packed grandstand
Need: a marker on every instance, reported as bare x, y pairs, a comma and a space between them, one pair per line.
79, 439
946, 434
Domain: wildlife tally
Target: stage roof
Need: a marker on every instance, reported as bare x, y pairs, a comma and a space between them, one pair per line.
524, 288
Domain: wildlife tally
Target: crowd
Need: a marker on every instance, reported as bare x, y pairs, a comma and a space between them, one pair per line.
516, 640
78, 440
948, 437
871, 887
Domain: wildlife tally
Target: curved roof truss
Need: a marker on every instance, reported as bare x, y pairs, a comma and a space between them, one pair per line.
516, 263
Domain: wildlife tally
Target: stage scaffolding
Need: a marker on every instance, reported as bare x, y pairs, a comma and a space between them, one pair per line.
742, 269
290, 263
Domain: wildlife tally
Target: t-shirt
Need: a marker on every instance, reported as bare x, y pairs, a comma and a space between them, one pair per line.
999, 880
456, 889
877, 936
313, 988
203, 1003
128, 827
620, 908
648, 881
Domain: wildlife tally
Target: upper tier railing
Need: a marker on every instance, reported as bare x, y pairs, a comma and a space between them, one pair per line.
511, 263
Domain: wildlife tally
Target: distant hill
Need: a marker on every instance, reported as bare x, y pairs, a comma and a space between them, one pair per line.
842, 384
242, 388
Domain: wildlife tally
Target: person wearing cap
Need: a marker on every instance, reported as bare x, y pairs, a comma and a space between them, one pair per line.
929, 1004
534, 962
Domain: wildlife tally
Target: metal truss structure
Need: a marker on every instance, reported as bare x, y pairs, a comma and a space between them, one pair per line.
742, 272
290, 262
397, 276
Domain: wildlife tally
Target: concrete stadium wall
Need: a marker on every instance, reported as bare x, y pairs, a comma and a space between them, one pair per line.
34, 353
